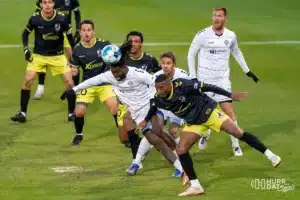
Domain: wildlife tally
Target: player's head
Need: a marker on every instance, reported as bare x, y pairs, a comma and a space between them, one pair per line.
119, 70
137, 39
167, 63
219, 18
47, 6
163, 85
87, 32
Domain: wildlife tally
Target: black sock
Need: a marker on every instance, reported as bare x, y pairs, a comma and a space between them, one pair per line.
25, 95
42, 77
71, 103
116, 119
76, 79
187, 165
133, 138
254, 142
79, 122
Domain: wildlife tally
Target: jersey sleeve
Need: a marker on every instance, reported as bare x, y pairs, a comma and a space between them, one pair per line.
30, 24
75, 5
66, 27
144, 77
238, 55
74, 61
184, 75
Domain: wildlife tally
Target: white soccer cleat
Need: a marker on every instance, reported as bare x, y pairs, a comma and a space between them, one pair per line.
141, 166
203, 142
39, 93
276, 160
237, 151
192, 192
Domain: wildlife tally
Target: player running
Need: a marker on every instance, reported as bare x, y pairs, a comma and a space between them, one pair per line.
66, 7
49, 27
87, 55
131, 86
187, 100
213, 45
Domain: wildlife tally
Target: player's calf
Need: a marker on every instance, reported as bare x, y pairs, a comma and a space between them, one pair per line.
79, 123
68, 82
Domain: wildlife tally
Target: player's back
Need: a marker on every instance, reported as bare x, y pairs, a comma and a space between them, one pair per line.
48, 33
89, 59
178, 73
213, 57
145, 62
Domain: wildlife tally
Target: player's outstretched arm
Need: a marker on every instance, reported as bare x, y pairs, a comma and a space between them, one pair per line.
25, 39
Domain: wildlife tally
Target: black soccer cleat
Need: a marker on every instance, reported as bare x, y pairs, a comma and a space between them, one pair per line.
77, 139
19, 117
127, 145
71, 117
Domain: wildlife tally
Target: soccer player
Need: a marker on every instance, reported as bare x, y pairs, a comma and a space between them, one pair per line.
131, 86
66, 7
49, 28
187, 100
87, 55
142, 60
213, 45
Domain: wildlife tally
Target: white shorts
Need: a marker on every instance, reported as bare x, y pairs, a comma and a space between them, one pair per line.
226, 85
139, 116
168, 115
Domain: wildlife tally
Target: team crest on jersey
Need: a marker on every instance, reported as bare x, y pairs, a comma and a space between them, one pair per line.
57, 27
99, 53
67, 2
226, 42
130, 83
182, 99
144, 67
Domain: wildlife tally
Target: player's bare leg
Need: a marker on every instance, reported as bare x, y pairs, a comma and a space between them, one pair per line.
174, 131
187, 140
25, 95
231, 128
80, 111
68, 83
112, 105
228, 109
75, 71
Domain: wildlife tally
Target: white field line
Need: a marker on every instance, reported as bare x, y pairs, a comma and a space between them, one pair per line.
153, 44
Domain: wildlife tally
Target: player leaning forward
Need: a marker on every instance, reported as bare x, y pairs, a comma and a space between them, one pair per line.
214, 46
187, 100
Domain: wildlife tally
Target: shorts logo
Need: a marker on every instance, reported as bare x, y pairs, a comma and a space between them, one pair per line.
226, 42
57, 27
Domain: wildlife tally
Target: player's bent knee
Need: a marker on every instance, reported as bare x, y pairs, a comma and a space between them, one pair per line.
74, 71
181, 149
80, 110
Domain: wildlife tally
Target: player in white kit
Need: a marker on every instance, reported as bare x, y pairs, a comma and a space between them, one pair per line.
134, 88
213, 45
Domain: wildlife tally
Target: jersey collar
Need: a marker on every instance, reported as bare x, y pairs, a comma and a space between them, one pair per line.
139, 57
95, 40
45, 18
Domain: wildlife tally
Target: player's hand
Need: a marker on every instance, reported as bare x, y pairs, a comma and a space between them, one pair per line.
143, 125
237, 96
67, 93
251, 75
27, 54
76, 37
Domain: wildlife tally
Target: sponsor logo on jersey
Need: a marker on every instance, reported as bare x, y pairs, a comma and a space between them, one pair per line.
48, 36
93, 64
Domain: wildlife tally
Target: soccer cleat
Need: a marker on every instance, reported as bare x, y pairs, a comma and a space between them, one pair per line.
77, 139
127, 145
276, 160
19, 117
133, 169
71, 117
203, 142
185, 179
39, 93
237, 151
177, 173
192, 192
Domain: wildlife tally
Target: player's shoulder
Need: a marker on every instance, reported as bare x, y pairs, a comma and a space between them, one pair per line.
203, 32
181, 71
35, 15
229, 33
147, 55
60, 16
102, 43
77, 48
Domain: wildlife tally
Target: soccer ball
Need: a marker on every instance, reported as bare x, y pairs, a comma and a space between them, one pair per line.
111, 54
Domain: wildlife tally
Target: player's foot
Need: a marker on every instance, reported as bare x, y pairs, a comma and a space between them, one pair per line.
71, 117
77, 139
127, 145
39, 93
276, 160
19, 117
177, 173
133, 169
237, 151
191, 191
203, 142
184, 179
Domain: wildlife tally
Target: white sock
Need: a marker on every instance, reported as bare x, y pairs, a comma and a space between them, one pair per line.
195, 183
40, 87
177, 165
79, 133
269, 154
143, 149
175, 153
207, 133
234, 140
177, 140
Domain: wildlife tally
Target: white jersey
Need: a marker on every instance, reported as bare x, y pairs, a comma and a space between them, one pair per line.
213, 55
179, 73
135, 91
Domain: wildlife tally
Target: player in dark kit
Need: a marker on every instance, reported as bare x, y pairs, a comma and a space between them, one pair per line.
87, 55
186, 99
49, 28
66, 7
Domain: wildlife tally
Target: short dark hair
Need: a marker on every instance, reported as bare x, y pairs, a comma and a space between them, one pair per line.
135, 33
87, 21
160, 78
40, 1
168, 54
221, 9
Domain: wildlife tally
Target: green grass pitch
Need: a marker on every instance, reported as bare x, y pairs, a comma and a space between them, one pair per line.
29, 151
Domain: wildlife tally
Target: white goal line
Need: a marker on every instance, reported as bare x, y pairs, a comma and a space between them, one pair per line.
154, 44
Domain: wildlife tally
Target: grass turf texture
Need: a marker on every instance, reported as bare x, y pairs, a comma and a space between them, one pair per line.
29, 151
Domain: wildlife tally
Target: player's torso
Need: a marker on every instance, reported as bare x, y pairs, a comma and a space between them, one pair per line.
90, 60
65, 7
144, 62
48, 34
214, 54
